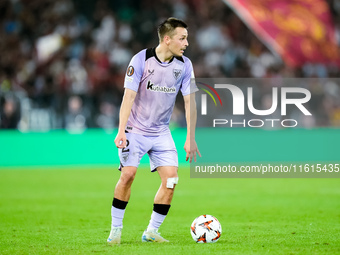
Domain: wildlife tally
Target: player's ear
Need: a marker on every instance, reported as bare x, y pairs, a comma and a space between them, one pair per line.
166, 39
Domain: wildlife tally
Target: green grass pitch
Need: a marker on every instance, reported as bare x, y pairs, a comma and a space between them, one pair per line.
67, 211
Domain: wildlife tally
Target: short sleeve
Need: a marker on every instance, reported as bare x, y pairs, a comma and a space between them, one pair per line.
135, 71
188, 83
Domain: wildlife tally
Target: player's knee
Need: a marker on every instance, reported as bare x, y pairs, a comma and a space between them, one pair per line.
171, 182
127, 177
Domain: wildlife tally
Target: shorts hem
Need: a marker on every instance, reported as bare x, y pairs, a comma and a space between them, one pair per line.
155, 168
121, 165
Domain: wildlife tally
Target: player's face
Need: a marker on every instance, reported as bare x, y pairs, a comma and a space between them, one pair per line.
179, 41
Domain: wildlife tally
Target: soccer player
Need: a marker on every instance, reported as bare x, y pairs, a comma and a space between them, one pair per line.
152, 81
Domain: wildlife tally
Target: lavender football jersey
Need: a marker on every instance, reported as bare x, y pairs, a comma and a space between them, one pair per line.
157, 85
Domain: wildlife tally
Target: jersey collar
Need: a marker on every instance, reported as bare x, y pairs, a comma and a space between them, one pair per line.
154, 53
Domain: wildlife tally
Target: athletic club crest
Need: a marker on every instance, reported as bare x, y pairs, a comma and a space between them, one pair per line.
125, 157
177, 73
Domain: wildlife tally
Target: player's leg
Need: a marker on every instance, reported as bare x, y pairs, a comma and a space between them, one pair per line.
164, 159
169, 179
163, 198
122, 195
162, 201
123, 186
129, 157
121, 198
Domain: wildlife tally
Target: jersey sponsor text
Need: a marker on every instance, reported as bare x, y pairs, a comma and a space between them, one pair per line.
152, 87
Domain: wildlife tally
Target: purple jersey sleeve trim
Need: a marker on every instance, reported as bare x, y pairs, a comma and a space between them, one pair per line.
135, 71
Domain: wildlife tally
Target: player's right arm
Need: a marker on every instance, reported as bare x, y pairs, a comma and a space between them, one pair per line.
131, 84
124, 113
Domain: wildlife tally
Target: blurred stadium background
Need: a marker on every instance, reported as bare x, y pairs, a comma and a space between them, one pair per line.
63, 62
62, 67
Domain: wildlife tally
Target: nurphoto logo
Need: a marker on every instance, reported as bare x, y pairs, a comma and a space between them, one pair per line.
243, 102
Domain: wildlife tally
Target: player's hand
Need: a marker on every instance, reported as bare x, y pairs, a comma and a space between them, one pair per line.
191, 149
120, 140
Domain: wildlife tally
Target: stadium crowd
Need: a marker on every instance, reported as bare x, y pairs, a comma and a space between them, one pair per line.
63, 62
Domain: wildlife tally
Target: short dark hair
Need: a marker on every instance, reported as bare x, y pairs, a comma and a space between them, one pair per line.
168, 26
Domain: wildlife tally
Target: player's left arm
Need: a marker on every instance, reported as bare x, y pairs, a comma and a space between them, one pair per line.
190, 145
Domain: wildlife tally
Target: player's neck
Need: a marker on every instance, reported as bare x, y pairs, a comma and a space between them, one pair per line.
163, 54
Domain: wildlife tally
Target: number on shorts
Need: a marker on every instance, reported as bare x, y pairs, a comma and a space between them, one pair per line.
127, 144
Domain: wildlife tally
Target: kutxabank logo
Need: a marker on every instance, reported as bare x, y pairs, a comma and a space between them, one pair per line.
155, 88
296, 97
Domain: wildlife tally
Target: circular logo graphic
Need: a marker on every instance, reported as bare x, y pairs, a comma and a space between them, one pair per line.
130, 71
